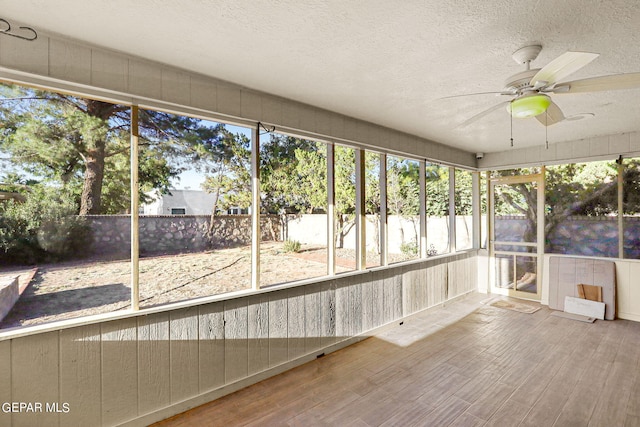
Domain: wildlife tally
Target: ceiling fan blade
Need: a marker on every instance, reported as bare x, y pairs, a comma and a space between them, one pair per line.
478, 93
602, 83
564, 65
552, 116
483, 113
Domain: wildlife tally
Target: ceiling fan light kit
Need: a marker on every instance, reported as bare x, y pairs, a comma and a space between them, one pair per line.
530, 89
528, 106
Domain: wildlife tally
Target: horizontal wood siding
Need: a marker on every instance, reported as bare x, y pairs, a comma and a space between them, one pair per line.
117, 371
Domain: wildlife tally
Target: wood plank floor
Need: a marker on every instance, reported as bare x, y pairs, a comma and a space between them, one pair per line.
466, 364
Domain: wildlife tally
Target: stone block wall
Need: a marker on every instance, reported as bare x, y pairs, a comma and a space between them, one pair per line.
580, 235
587, 236
167, 234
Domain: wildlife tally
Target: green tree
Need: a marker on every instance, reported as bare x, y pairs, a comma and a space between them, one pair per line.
286, 163
311, 177
229, 178
82, 145
437, 180
463, 196
372, 193
403, 194
345, 192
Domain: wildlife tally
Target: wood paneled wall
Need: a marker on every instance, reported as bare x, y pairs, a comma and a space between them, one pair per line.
139, 369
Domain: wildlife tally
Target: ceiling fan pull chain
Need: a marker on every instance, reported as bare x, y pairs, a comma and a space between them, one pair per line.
511, 115
546, 129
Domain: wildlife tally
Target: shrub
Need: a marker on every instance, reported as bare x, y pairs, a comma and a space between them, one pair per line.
432, 251
409, 249
43, 228
291, 246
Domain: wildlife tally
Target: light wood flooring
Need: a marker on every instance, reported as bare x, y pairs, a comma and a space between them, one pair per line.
466, 364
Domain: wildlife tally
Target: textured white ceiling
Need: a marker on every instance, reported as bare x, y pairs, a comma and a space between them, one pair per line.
383, 61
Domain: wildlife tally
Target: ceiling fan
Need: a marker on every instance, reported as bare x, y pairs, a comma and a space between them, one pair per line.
530, 89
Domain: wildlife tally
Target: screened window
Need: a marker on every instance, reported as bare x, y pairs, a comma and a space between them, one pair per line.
437, 207
582, 209
64, 199
631, 204
293, 211
403, 203
463, 200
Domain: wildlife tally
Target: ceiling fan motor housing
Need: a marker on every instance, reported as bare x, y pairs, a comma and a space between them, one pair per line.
517, 83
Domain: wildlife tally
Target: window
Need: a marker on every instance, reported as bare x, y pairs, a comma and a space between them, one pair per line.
372, 208
66, 201
484, 206
293, 184
403, 203
203, 168
345, 208
581, 209
64, 166
437, 180
463, 199
631, 204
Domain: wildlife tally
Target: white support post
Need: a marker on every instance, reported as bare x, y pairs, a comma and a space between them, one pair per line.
423, 209
541, 225
476, 209
331, 211
384, 233
620, 209
255, 207
135, 242
361, 219
488, 220
452, 210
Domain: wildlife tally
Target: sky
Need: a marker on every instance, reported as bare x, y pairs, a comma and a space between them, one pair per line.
191, 179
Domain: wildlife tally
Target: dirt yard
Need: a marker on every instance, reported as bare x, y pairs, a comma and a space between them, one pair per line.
75, 289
